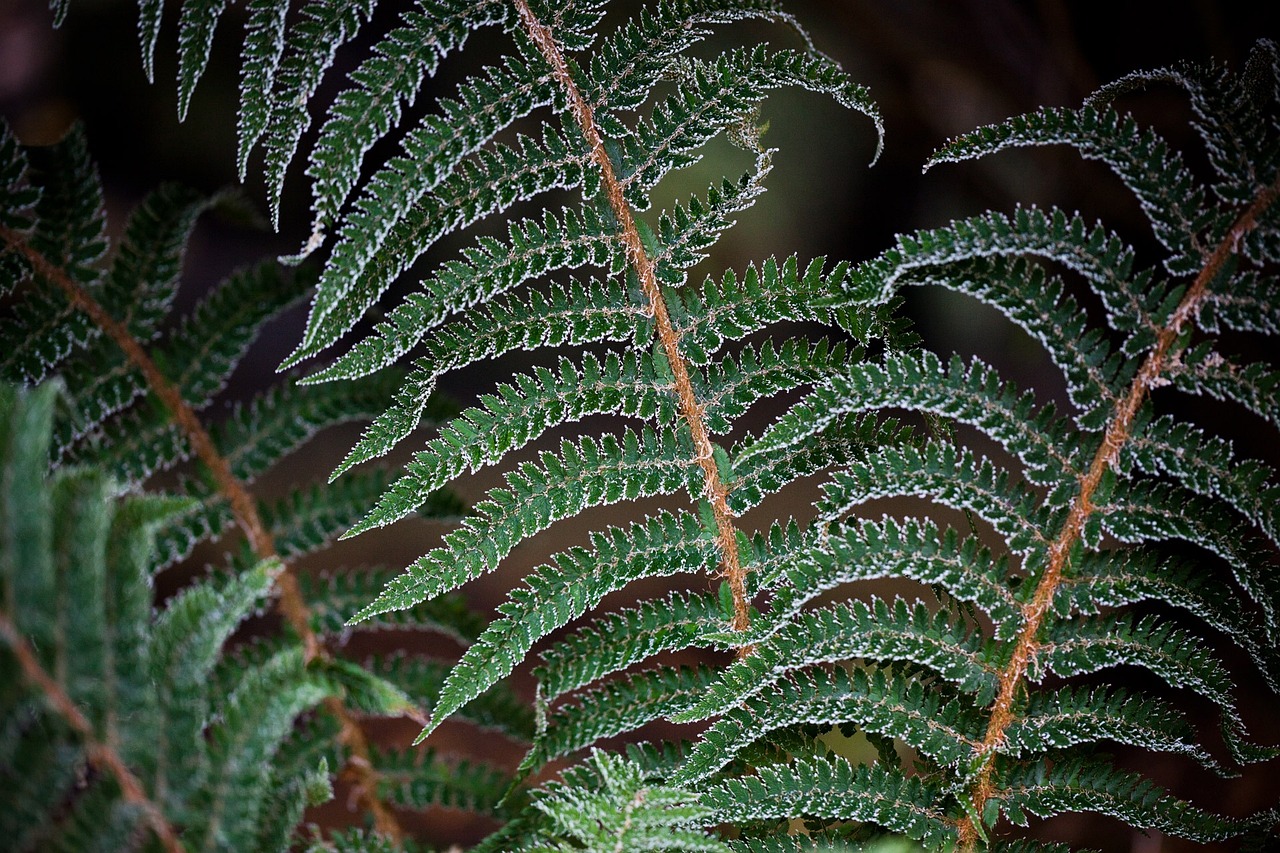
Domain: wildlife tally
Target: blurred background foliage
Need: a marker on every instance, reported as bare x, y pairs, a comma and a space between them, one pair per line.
936, 68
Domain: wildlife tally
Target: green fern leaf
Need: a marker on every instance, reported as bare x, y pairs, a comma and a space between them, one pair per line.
613, 642
622, 705
1073, 786
1170, 197
195, 40
834, 788
936, 724
563, 590
879, 630
587, 474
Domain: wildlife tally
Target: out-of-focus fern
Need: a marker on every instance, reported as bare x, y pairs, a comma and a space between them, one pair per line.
87, 321
112, 732
1000, 683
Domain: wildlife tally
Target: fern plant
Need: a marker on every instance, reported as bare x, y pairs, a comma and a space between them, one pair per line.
132, 402
988, 699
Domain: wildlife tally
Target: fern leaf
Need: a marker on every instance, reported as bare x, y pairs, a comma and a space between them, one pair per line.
574, 582
590, 473
1170, 196
497, 709
973, 395
386, 82
254, 720
835, 789
1254, 386
733, 307
198, 358
1206, 465
195, 40
419, 779
68, 229
1071, 716
149, 14
613, 642
184, 648
624, 810
1247, 302
1145, 511
949, 476
485, 105
619, 706
323, 27
1171, 654
309, 519
909, 548
895, 704
1075, 786
845, 439
1101, 581
258, 434
1227, 112
879, 630
332, 598
489, 182
260, 61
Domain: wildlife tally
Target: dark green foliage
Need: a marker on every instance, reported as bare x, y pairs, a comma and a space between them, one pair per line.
199, 727
76, 593
1106, 537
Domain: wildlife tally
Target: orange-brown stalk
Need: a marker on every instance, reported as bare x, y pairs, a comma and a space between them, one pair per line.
715, 490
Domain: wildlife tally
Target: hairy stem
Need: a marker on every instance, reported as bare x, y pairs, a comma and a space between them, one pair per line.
1119, 431
714, 489
100, 754
290, 601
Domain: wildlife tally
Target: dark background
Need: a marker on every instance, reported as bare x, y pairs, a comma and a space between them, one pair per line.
935, 68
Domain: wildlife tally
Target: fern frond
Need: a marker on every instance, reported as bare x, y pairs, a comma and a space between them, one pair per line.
419, 779
1071, 716
950, 476
1098, 643
880, 630
333, 597
1255, 386
623, 705
573, 583
974, 395
385, 83
909, 548
496, 709
310, 45
835, 789
1072, 785
937, 724
195, 40
1170, 197
590, 473
615, 641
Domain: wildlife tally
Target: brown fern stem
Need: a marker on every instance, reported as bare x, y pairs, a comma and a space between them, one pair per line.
100, 754
1119, 431
244, 507
714, 489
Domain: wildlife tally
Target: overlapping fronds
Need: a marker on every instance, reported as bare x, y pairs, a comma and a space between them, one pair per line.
112, 732
1106, 537
123, 398
1111, 504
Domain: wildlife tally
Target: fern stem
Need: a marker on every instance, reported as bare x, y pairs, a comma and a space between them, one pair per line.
100, 754
714, 489
290, 601
1119, 431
